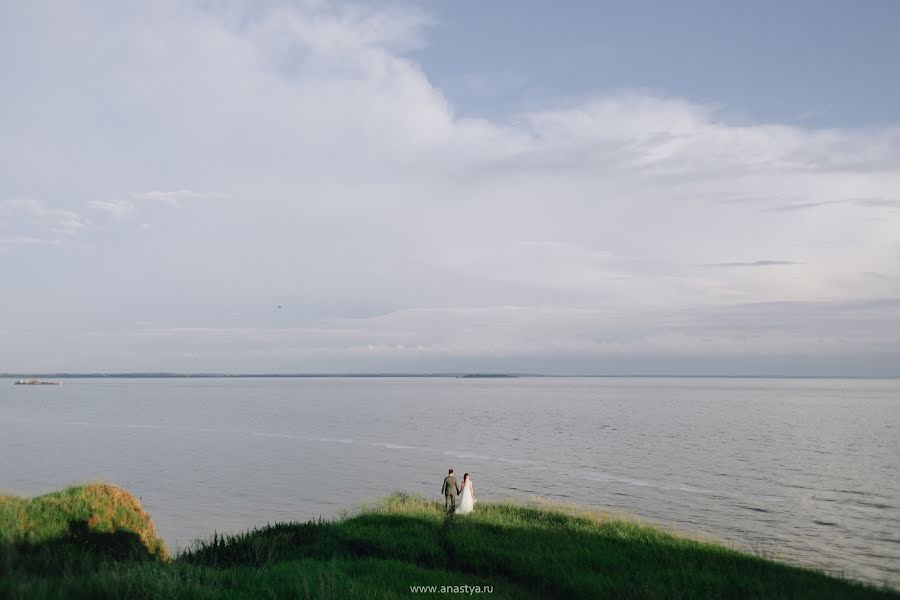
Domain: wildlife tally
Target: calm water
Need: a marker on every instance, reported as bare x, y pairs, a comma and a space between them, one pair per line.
806, 469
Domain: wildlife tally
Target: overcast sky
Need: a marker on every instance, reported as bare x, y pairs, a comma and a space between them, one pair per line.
688, 188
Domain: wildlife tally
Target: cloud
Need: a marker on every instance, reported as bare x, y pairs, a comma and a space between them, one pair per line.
24, 240
756, 263
118, 209
346, 186
171, 198
861, 202
30, 209
32, 220
775, 328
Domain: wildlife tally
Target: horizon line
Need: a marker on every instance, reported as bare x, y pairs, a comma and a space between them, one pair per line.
398, 374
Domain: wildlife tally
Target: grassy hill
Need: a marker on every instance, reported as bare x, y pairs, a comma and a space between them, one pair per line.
95, 541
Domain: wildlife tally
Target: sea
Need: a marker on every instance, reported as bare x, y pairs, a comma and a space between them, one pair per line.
801, 470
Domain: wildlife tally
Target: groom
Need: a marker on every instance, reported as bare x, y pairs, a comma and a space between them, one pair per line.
450, 491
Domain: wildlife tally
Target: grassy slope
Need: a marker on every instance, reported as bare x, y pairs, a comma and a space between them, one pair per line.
94, 514
521, 552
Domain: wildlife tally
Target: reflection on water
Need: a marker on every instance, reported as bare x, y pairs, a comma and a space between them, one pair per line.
804, 469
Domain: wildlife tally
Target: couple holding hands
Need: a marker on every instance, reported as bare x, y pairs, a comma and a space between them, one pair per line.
451, 490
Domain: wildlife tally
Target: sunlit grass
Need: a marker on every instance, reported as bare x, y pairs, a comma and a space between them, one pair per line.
98, 508
380, 551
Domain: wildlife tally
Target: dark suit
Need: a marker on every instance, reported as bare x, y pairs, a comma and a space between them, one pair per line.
450, 491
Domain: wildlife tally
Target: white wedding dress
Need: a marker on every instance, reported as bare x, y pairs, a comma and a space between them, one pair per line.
466, 499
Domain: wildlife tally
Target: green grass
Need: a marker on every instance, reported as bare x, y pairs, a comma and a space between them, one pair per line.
379, 552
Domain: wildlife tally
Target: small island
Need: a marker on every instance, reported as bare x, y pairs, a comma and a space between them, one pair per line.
36, 382
96, 541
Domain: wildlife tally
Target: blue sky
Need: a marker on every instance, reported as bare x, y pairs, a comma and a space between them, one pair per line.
820, 63
313, 187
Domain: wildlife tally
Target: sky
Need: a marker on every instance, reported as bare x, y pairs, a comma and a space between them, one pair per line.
566, 188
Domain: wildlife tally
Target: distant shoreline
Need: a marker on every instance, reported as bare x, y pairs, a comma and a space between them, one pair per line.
460, 375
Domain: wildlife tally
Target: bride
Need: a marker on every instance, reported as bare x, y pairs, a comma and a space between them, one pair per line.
467, 501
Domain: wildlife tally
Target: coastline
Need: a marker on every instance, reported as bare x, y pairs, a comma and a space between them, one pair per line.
96, 540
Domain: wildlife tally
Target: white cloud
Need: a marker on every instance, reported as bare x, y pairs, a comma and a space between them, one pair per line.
345, 185
173, 197
117, 208
32, 220
24, 240
29, 208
